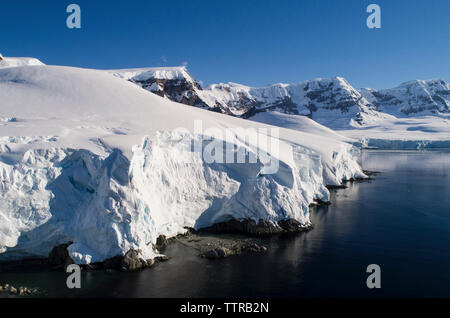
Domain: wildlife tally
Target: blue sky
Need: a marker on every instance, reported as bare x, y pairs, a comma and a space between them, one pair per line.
245, 41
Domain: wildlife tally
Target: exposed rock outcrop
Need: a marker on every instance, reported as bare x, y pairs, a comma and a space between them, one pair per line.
216, 253
21, 291
161, 242
132, 261
59, 257
251, 227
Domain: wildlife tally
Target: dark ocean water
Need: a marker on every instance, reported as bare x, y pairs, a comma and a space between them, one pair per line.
400, 221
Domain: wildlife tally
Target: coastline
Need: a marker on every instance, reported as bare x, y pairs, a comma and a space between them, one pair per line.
221, 240
345, 239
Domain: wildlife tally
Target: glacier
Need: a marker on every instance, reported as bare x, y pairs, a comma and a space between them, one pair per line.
88, 158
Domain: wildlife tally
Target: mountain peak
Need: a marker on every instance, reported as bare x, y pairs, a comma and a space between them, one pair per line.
429, 82
162, 73
424, 97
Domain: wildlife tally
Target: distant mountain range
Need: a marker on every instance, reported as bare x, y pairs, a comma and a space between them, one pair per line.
429, 97
332, 102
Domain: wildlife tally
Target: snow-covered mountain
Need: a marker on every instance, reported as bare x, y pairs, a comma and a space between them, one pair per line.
431, 97
88, 158
328, 101
413, 115
332, 102
174, 83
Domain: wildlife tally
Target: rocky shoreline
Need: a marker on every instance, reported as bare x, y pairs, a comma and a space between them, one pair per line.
219, 246
222, 247
21, 291
59, 259
250, 227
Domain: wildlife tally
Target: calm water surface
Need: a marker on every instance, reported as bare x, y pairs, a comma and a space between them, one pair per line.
400, 221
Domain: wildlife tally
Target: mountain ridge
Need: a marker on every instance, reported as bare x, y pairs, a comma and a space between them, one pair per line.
333, 102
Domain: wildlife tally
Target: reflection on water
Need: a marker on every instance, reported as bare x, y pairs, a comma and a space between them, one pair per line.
430, 162
399, 221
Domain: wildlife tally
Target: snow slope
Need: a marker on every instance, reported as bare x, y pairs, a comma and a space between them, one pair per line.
390, 133
404, 133
300, 123
89, 158
18, 61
